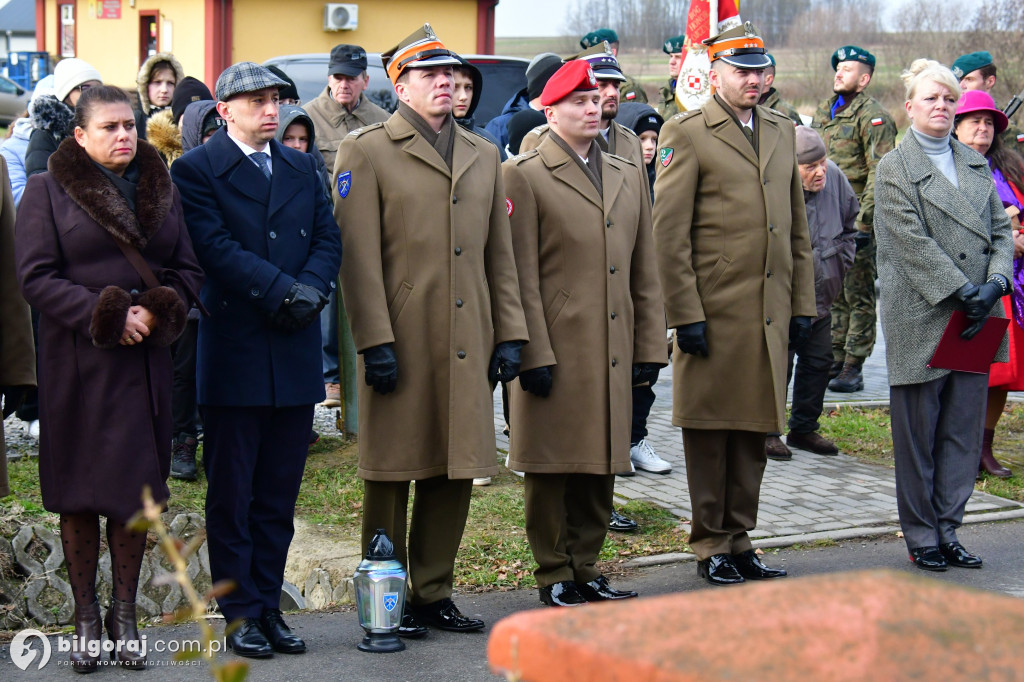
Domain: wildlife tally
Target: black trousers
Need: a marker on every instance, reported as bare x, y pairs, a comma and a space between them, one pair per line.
813, 361
183, 393
643, 400
254, 458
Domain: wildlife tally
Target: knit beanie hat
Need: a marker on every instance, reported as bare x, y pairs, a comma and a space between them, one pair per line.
70, 73
187, 91
540, 70
809, 146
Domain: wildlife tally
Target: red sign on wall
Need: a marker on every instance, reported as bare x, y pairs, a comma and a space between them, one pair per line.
108, 9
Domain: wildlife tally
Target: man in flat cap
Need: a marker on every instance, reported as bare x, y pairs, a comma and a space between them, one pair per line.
738, 280
630, 89
262, 229
832, 211
977, 71
343, 105
673, 47
431, 291
773, 100
858, 131
582, 237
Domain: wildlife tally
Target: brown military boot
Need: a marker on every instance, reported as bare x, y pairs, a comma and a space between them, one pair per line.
812, 442
849, 380
776, 449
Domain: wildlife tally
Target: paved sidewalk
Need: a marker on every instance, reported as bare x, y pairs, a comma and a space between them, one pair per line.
808, 494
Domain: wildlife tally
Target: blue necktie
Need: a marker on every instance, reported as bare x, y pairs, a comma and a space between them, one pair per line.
262, 159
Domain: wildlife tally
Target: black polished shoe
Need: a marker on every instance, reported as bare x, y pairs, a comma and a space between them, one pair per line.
928, 559
565, 593
598, 589
445, 615
751, 568
719, 570
249, 641
620, 523
956, 555
410, 627
279, 634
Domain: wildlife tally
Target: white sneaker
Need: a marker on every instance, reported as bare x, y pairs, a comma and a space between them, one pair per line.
33, 429
485, 480
517, 473
645, 458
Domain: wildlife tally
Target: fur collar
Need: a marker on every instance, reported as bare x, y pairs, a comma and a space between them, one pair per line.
53, 116
88, 187
164, 135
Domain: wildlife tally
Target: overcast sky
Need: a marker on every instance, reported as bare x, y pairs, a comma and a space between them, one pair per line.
522, 18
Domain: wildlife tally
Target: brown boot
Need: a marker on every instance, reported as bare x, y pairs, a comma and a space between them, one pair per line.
124, 633
989, 464
812, 442
88, 628
776, 449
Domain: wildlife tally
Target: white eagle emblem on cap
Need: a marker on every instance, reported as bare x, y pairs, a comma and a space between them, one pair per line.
748, 30
958, 72
841, 52
591, 77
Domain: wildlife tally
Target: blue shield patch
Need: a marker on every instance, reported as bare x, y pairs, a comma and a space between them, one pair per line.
344, 183
390, 600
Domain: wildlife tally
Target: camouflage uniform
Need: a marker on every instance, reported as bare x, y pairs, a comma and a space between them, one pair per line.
772, 100
668, 107
1013, 138
632, 91
858, 137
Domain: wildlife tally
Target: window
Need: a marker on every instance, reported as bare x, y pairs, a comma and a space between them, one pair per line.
66, 28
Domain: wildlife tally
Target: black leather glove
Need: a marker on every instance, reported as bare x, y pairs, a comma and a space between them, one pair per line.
645, 373
972, 329
799, 331
381, 368
13, 396
299, 309
980, 305
862, 240
692, 338
505, 361
537, 381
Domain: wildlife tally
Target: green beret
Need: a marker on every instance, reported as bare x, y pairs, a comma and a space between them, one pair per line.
852, 53
966, 63
674, 45
599, 36
771, 58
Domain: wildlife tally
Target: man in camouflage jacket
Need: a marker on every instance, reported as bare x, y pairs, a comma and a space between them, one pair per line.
858, 132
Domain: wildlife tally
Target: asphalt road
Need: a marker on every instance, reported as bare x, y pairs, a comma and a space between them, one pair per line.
332, 637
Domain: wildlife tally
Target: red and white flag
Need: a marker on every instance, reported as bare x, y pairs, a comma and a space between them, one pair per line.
693, 87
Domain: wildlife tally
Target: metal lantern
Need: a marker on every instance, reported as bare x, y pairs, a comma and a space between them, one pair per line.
380, 595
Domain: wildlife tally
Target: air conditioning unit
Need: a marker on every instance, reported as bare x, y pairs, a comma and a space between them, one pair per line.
339, 17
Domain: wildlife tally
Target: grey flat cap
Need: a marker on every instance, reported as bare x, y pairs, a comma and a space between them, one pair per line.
245, 77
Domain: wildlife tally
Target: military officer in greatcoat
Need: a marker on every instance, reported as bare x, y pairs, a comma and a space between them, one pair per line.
584, 250
737, 275
431, 291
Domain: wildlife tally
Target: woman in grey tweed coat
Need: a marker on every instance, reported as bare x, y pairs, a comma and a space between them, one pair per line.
944, 244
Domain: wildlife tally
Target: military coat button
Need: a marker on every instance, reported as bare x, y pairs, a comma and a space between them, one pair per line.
458, 303
461, 354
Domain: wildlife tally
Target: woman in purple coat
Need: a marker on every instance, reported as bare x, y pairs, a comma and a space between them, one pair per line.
104, 360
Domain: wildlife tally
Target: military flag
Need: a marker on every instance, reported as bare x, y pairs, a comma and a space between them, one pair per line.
693, 87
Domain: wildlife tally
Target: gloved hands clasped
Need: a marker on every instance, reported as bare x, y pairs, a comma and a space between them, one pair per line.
978, 302
505, 362
645, 373
299, 309
381, 368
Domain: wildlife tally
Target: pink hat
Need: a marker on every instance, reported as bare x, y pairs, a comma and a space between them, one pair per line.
979, 100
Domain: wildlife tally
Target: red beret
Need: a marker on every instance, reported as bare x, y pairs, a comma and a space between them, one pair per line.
574, 75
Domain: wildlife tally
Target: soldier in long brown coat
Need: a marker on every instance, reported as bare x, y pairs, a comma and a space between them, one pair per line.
582, 236
431, 291
737, 274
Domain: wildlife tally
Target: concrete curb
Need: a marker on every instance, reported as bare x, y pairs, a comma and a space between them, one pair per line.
841, 534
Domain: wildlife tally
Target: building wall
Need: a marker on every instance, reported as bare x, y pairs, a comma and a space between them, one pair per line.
269, 28
261, 29
112, 45
17, 43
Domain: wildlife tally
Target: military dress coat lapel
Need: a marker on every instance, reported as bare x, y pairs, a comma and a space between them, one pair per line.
565, 169
399, 128
724, 128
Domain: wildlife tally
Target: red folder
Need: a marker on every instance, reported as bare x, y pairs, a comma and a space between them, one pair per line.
968, 355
